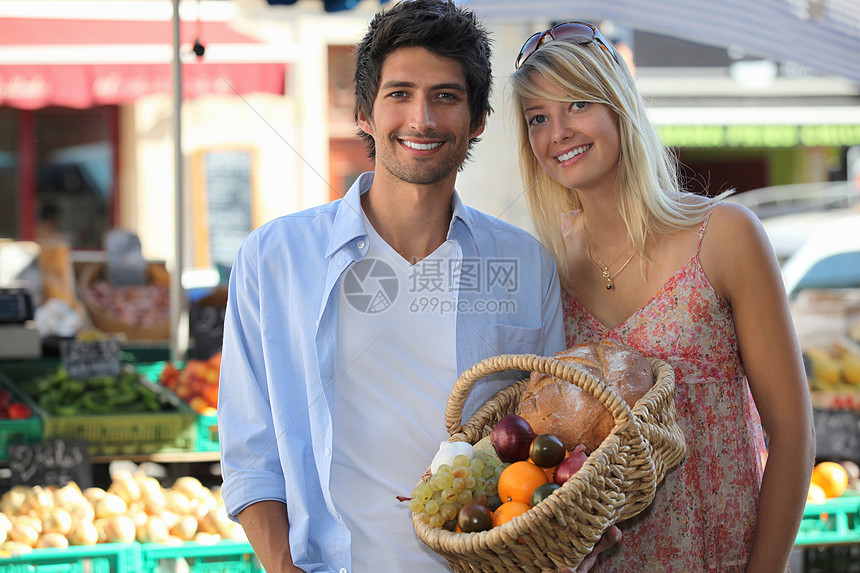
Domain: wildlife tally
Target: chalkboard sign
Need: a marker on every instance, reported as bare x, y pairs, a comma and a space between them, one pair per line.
83, 359
206, 324
55, 462
223, 197
837, 435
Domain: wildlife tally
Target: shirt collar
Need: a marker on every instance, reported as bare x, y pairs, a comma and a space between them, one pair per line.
462, 227
349, 223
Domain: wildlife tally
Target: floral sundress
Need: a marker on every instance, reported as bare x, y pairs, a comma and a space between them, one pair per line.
703, 516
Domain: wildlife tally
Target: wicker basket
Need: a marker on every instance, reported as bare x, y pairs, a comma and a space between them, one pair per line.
157, 275
618, 480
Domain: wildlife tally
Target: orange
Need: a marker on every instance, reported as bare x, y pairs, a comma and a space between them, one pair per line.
815, 494
519, 480
547, 471
830, 476
509, 510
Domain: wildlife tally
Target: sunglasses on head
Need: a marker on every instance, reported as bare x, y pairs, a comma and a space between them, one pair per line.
581, 33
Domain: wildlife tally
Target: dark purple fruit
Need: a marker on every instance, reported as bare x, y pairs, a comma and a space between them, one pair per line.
474, 517
546, 450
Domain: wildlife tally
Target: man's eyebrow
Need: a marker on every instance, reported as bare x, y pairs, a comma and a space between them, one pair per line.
454, 86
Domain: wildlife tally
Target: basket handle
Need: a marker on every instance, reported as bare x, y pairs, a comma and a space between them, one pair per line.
530, 362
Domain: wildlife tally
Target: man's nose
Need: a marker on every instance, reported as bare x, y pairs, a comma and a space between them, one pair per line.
422, 116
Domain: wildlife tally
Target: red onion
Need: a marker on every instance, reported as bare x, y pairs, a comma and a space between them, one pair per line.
512, 437
569, 465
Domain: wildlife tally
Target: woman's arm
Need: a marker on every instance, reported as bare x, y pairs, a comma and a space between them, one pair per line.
268, 530
739, 261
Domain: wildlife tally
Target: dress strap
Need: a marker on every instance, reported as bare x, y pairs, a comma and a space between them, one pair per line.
702, 228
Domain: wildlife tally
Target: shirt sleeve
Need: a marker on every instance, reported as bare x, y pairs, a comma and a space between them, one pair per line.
250, 466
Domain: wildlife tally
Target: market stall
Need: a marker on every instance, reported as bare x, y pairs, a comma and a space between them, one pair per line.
108, 449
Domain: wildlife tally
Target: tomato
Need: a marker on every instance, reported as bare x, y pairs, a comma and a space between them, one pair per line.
212, 376
19, 411
210, 394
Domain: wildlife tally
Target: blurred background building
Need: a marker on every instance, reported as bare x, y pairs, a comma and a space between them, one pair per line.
86, 111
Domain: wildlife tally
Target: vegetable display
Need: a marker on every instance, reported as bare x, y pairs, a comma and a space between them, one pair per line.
60, 394
135, 507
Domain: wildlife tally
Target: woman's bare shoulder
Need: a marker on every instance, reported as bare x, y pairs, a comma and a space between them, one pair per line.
735, 246
730, 220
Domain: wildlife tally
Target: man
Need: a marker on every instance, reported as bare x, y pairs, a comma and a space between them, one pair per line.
348, 324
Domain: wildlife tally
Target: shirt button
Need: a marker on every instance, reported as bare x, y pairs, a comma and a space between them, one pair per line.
343, 570
360, 244
327, 452
342, 261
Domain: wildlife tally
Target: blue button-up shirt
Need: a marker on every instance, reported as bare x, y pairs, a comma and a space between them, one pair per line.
280, 348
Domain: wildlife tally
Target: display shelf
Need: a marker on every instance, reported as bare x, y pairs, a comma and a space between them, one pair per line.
836, 521
161, 458
100, 558
222, 557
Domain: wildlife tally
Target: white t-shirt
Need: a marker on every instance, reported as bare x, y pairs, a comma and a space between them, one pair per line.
396, 366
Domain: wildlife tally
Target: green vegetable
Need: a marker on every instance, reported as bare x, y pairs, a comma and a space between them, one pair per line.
61, 395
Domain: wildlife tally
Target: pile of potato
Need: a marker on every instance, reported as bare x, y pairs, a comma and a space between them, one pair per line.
135, 507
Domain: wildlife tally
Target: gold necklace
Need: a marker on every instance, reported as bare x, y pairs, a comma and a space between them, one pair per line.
601, 266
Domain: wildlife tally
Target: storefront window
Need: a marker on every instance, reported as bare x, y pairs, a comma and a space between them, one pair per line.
57, 174
9, 184
75, 175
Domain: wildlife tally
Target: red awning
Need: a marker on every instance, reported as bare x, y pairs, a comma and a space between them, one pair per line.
82, 63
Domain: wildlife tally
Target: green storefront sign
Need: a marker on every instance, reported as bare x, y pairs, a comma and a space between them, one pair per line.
760, 135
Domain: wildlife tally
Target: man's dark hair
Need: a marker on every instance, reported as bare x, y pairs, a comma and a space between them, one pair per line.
439, 26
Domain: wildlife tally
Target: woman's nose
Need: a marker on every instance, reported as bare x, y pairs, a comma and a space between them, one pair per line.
561, 132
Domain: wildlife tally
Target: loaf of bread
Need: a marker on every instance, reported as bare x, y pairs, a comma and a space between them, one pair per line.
559, 407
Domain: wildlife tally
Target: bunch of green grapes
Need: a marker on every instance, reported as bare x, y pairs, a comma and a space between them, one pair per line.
438, 500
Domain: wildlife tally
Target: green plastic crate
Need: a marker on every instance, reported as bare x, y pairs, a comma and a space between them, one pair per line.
151, 370
834, 522
222, 557
100, 558
24, 431
206, 426
115, 434
207, 434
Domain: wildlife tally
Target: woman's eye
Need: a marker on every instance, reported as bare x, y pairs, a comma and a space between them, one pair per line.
536, 120
578, 105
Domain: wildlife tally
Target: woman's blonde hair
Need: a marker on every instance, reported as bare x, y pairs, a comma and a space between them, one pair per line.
648, 192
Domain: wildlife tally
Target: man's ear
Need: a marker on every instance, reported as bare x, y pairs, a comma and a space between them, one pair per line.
480, 128
365, 124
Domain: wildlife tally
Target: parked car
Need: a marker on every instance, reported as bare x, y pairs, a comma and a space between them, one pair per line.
787, 233
828, 258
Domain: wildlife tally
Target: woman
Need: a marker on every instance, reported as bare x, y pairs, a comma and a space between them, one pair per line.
682, 277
